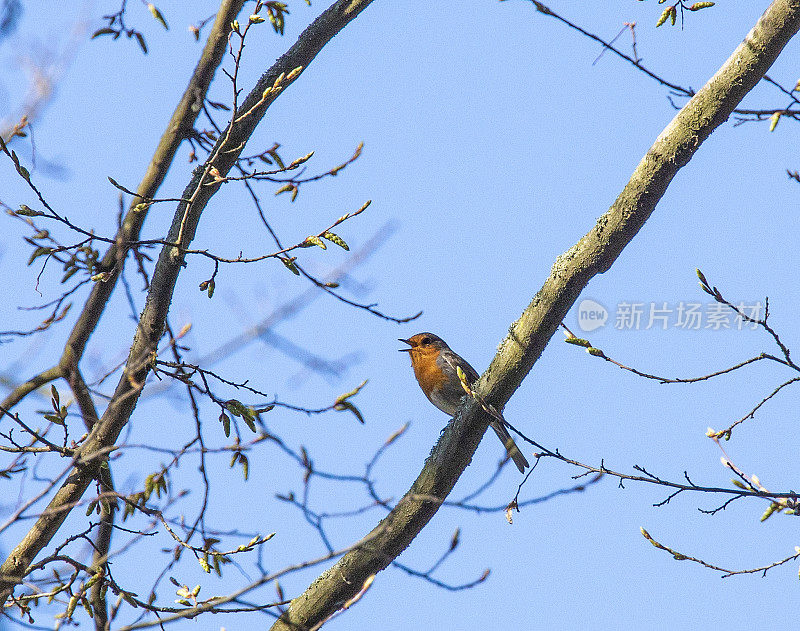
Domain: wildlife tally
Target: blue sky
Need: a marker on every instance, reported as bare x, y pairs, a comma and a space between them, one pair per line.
492, 142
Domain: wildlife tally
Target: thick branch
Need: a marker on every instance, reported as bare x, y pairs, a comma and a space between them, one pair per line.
593, 254
102, 546
170, 262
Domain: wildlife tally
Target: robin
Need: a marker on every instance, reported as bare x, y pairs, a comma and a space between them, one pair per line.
435, 369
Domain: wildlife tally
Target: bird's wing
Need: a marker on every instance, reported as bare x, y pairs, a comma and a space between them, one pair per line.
454, 360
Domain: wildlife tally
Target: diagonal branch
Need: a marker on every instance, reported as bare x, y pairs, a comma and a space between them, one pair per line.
170, 262
528, 336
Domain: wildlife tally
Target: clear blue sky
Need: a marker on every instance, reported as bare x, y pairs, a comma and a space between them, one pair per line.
492, 144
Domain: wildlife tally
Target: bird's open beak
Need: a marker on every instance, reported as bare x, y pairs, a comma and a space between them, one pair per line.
404, 350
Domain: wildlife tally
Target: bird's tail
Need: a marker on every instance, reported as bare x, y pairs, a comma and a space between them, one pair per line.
511, 447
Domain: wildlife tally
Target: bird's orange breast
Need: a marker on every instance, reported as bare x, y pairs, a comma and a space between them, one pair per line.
430, 377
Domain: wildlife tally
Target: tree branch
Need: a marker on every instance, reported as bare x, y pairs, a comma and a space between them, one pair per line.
170, 262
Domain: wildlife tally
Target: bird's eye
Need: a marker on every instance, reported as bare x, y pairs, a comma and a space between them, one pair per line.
425, 341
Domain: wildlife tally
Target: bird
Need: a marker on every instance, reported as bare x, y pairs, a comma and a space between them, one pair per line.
435, 367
